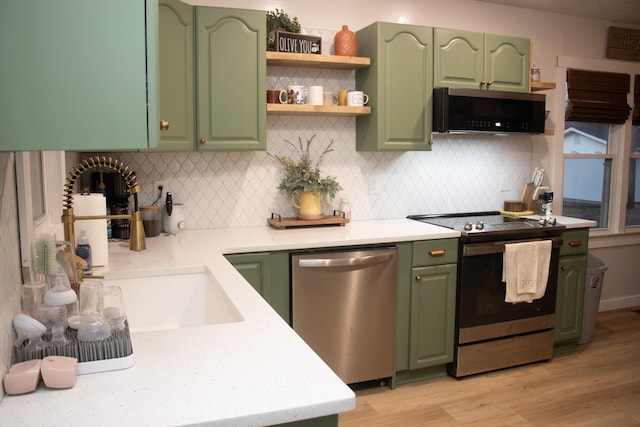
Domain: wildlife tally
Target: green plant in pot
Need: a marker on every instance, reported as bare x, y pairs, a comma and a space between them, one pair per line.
302, 182
278, 20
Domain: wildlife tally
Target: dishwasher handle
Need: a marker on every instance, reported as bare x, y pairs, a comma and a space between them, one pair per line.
344, 262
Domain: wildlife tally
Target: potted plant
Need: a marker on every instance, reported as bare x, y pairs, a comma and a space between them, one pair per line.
302, 182
278, 20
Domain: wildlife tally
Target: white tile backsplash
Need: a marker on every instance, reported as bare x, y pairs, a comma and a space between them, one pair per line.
232, 189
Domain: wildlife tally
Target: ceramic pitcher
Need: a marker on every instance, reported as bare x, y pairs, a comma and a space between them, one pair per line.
309, 205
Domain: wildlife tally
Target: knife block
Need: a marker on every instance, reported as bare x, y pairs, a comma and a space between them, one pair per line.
527, 198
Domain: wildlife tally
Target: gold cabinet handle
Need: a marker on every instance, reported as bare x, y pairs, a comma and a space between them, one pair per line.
563, 268
489, 83
418, 278
437, 252
575, 243
164, 125
202, 140
482, 83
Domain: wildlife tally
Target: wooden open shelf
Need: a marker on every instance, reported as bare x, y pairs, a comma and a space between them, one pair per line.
286, 59
316, 110
537, 86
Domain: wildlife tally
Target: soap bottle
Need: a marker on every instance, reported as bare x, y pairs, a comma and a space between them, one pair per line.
83, 250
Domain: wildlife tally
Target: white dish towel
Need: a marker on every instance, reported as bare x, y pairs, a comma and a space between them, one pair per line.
526, 270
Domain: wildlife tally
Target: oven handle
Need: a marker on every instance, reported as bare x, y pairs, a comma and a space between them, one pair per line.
488, 248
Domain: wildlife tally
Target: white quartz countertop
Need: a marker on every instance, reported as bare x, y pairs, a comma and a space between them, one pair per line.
249, 373
568, 221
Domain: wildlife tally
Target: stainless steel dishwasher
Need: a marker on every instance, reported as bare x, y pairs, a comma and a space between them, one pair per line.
344, 306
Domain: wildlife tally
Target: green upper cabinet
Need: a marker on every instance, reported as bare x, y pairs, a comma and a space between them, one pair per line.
481, 61
177, 94
212, 78
231, 76
458, 59
399, 85
507, 63
78, 75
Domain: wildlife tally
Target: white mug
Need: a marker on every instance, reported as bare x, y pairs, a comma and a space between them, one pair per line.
315, 95
356, 98
295, 94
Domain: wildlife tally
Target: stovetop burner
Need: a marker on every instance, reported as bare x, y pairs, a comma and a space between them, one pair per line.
491, 224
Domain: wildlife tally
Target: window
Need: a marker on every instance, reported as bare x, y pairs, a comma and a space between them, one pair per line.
587, 171
599, 142
39, 199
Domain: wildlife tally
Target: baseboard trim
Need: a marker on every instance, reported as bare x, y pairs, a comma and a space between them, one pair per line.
618, 303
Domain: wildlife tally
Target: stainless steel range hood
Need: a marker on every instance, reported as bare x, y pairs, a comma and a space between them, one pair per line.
487, 111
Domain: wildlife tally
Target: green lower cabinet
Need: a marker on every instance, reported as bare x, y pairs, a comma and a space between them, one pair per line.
572, 274
327, 421
268, 273
570, 299
433, 301
425, 319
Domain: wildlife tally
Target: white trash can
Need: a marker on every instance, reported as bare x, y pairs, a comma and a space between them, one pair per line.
592, 292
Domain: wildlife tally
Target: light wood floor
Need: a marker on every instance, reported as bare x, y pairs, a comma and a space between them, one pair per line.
599, 385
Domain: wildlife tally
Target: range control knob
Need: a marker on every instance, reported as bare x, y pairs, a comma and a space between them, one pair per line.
542, 221
551, 221
479, 225
468, 226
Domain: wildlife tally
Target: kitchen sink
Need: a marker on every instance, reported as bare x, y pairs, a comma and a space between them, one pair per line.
175, 301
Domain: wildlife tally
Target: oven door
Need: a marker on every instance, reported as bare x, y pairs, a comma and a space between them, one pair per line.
481, 292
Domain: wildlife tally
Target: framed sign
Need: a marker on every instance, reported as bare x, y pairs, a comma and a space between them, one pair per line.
297, 43
623, 43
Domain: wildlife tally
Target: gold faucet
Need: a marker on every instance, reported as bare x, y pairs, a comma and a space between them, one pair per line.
136, 239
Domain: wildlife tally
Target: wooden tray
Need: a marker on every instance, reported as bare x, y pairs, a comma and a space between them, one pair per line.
281, 223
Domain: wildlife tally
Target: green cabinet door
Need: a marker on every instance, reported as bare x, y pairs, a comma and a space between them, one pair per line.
570, 298
177, 94
572, 275
458, 59
78, 75
433, 299
467, 59
399, 85
506, 63
268, 273
231, 79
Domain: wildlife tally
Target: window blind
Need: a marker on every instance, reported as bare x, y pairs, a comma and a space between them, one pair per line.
594, 96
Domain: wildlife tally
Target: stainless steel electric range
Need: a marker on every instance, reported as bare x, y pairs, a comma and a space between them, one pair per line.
491, 333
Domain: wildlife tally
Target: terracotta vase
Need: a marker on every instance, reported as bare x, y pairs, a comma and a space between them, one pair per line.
345, 43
